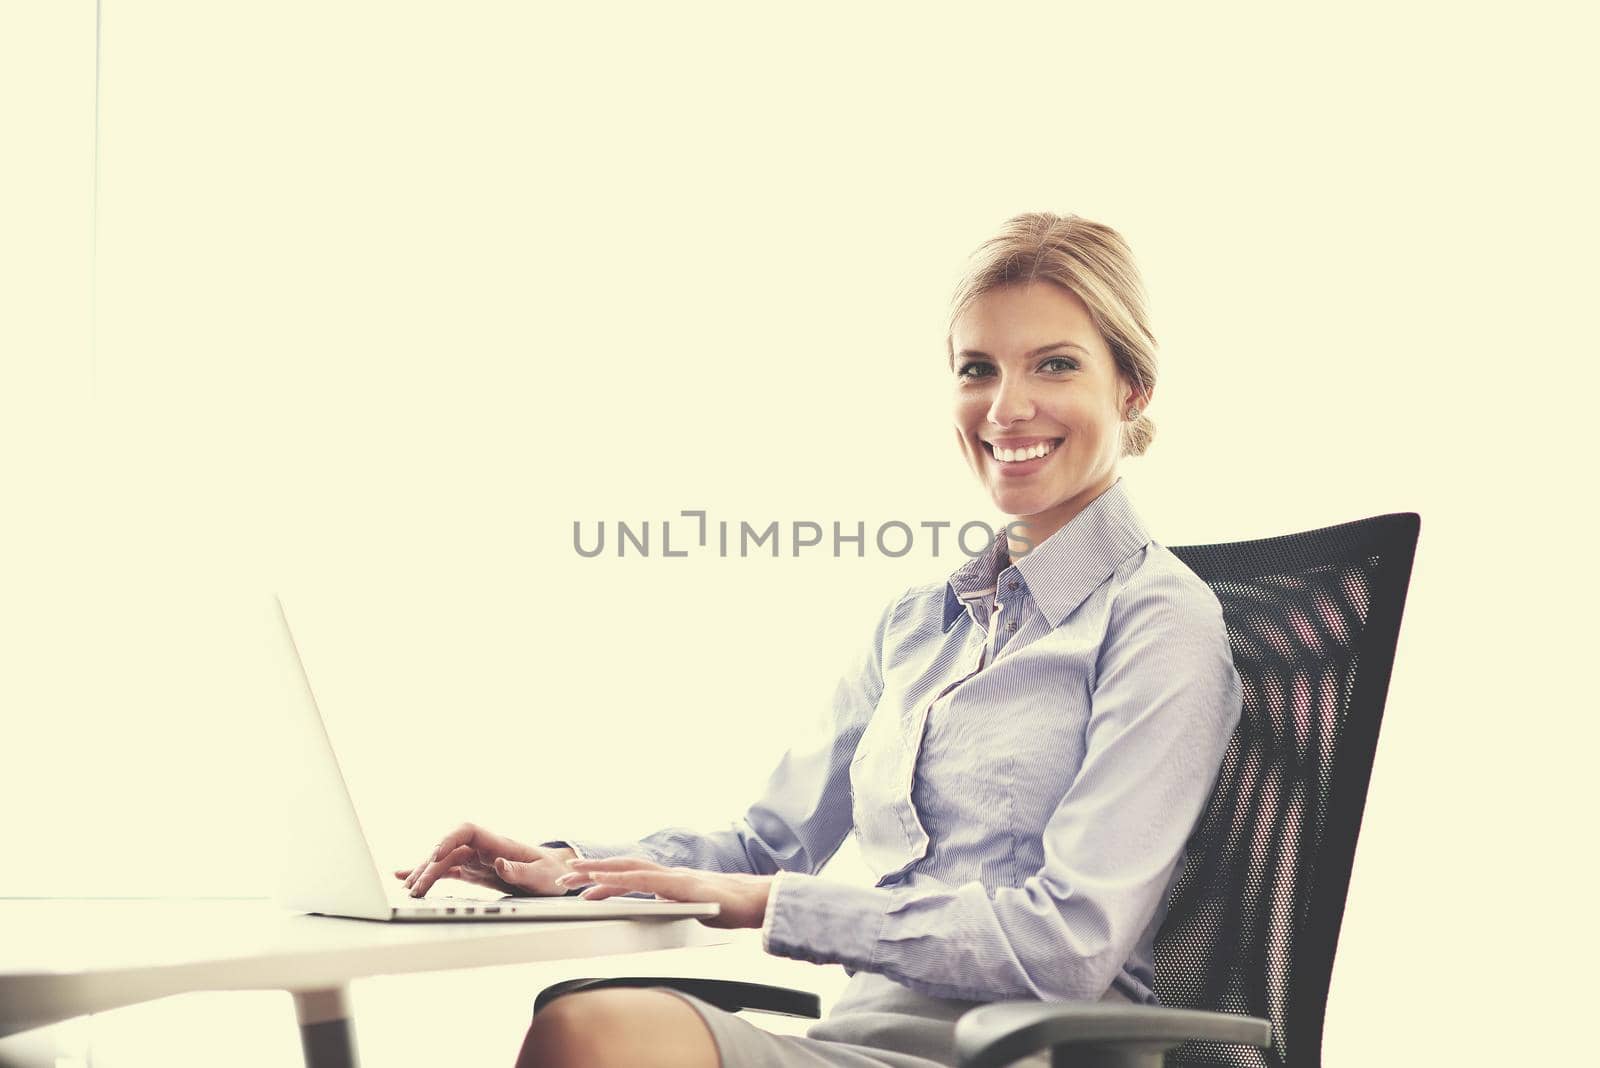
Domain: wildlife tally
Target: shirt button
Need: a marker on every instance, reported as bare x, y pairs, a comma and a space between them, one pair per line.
1011, 586
1012, 625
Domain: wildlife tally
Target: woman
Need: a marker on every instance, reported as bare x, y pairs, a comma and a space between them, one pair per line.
1022, 748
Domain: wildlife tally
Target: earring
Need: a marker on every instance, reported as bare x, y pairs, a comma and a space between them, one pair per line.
1133, 413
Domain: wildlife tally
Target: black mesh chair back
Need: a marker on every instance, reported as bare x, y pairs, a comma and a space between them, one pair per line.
1313, 619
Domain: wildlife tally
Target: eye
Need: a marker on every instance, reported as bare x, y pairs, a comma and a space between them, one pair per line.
1071, 364
961, 372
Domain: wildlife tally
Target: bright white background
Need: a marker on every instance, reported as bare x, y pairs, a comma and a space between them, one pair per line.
383, 297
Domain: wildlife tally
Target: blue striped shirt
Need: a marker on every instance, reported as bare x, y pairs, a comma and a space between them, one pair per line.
1022, 751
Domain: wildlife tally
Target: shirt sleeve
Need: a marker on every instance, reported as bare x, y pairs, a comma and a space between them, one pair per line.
1164, 705
803, 814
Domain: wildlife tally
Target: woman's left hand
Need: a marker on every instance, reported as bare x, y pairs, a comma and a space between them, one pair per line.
743, 897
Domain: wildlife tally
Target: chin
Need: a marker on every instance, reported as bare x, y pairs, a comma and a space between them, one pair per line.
1019, 506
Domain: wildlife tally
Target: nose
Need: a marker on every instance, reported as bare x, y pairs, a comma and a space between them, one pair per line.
1012, 402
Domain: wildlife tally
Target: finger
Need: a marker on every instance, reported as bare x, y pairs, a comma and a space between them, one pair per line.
448, 844
416, 873
600, 893
597, 871
585, 872
462, 835
485, 843
616, 864
496, 845
662, 883
436, 869
407, 873
574, 879
439, 869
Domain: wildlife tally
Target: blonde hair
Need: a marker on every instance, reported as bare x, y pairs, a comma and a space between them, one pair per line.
1091, 260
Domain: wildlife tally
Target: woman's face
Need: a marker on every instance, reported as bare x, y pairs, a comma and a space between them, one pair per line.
1031, 369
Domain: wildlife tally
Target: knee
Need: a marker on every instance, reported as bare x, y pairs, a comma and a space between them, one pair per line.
567, 1030
604, 1027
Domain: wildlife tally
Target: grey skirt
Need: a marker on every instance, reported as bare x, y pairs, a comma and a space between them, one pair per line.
876, 1023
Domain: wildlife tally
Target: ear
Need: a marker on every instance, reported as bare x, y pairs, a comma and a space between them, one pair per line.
1132, 396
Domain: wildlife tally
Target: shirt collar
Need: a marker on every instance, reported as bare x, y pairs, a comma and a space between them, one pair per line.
1062, 570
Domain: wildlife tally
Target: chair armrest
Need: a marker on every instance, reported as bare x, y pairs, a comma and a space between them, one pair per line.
1115, 1036
725, 994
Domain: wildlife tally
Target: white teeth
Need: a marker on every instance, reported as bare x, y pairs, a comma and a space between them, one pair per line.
1032, 452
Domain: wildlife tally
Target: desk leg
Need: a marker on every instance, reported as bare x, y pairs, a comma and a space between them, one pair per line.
325, 1032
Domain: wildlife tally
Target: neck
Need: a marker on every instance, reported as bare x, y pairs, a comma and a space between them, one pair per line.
1026, 533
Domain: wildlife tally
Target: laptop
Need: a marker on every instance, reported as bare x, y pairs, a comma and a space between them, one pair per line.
327, 864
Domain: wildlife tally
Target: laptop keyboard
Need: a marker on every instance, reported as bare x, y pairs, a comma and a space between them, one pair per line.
454, 904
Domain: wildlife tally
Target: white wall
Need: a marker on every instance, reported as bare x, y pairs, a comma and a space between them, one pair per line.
390, 294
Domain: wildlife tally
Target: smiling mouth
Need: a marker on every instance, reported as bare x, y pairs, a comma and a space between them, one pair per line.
1017, 456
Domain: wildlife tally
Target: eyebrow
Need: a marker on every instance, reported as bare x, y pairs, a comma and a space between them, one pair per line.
964, 353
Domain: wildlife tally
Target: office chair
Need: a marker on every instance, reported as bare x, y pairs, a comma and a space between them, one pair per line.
1245, 955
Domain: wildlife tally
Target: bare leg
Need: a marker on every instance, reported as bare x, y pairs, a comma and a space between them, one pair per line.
626, 1028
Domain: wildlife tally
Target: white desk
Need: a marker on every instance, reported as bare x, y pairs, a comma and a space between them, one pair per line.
65, 958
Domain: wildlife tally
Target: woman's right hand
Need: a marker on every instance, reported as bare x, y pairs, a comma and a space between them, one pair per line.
479, 856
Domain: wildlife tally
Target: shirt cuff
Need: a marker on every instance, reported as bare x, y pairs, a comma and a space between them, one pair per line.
766, 917
600, 850
823, 921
